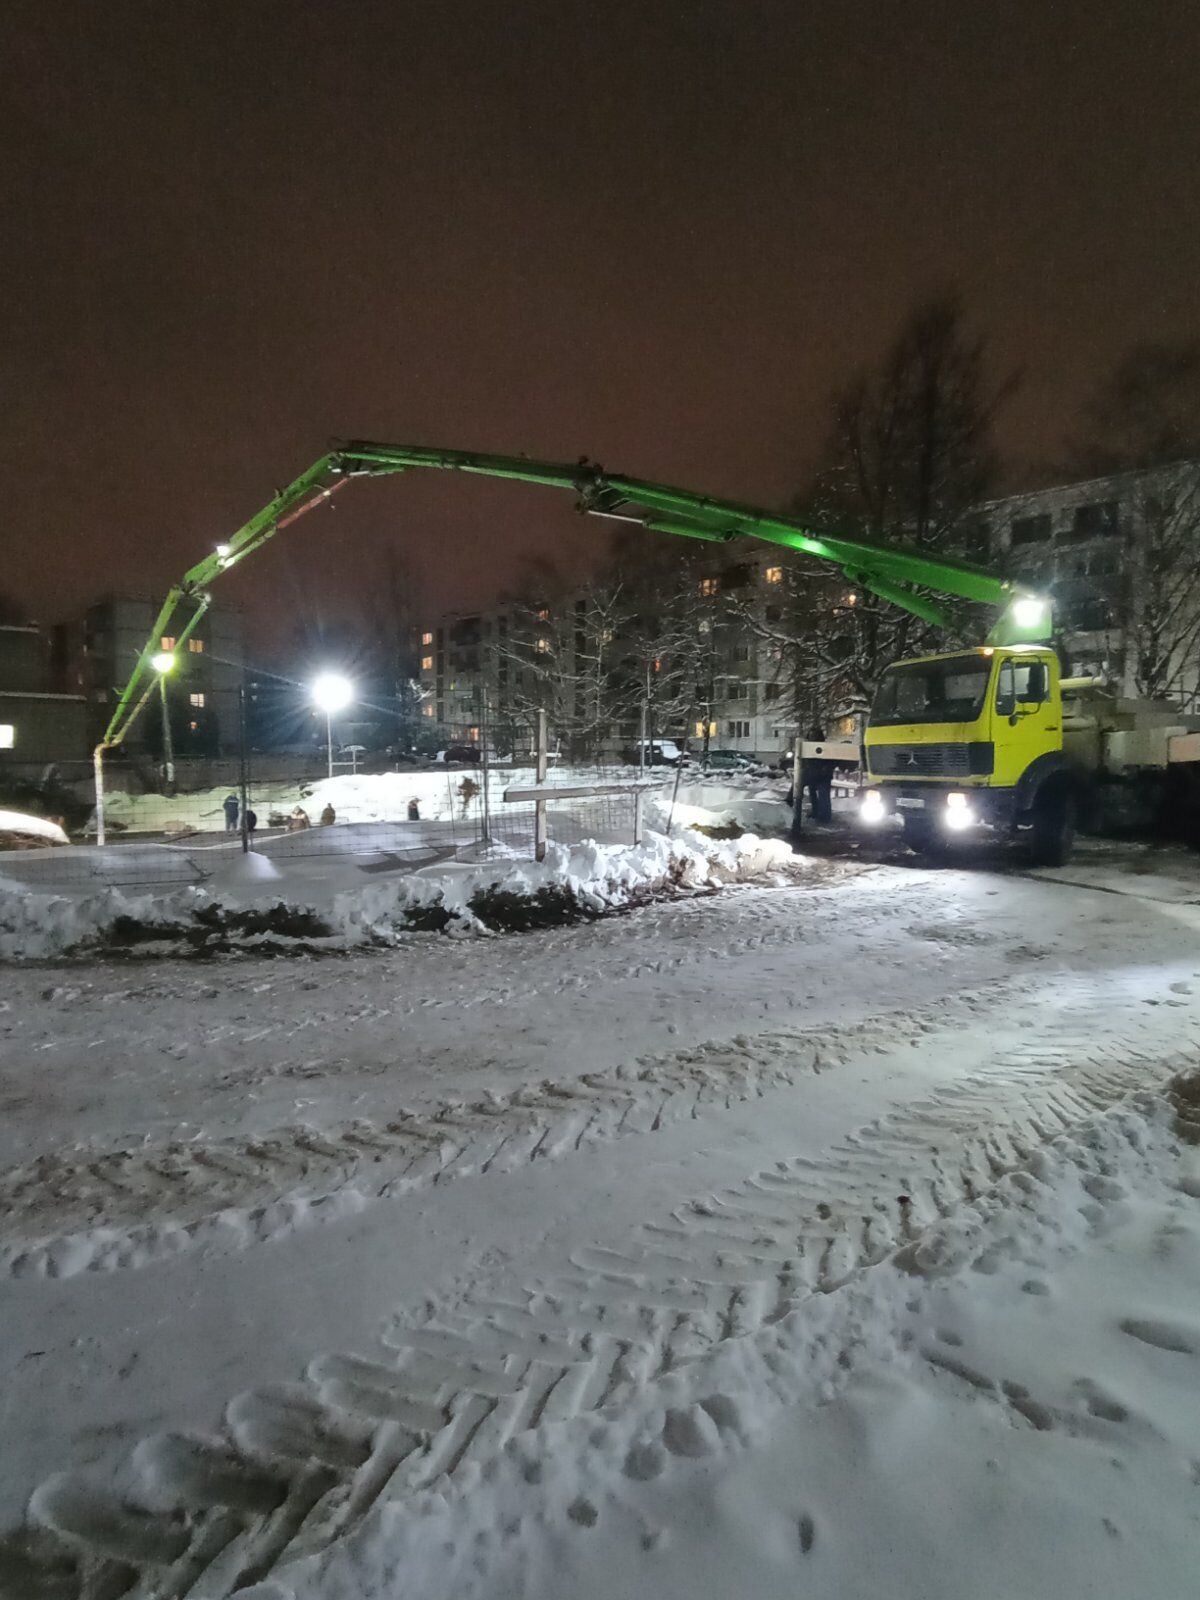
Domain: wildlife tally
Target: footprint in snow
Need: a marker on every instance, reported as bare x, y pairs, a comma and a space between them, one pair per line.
1162, 1335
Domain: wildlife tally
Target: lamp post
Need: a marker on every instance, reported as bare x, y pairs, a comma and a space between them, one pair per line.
163, 663
331, 693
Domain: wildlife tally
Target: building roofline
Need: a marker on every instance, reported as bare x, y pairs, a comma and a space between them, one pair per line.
1126, 474
37, 694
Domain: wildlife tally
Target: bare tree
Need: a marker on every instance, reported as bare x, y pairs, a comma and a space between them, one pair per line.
1144, 419
561, 654
910, 454
1164, 589
1146, 413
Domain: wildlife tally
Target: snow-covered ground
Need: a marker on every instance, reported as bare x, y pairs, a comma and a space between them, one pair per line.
835, 1234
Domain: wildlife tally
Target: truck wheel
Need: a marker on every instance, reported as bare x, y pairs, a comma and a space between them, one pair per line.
922, 837
1054, 816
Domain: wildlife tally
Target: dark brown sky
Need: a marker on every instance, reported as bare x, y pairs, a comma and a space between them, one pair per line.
654, 233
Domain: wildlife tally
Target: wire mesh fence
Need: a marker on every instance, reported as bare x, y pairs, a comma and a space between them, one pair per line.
371, 817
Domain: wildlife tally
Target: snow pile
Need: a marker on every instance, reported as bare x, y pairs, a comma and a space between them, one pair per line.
995, 1410
248, 908
19, 830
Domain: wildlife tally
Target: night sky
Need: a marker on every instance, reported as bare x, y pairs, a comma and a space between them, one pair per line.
657, 234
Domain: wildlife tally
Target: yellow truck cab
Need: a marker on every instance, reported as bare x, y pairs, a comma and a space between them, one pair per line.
970, 739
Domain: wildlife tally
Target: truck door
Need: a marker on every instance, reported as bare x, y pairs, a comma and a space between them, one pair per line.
1027, 714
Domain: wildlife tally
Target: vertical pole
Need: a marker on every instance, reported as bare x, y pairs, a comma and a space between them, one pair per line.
797, 787
329, 740
487, 771
642, 739
243, 778
98, 768
168, 748
637, 817
539, 806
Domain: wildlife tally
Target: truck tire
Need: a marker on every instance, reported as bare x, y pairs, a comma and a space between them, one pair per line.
1054, 816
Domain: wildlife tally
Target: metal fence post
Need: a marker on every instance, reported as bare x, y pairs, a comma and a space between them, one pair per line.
539, 806
243, 780
797, 785
98, 769
637, 817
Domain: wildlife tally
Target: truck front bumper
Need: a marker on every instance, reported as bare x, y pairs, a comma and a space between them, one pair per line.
931, 802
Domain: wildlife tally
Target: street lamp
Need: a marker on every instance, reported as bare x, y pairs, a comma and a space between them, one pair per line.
331, 692
163, 663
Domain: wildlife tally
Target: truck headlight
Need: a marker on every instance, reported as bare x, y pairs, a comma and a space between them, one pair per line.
872, 810
958, 812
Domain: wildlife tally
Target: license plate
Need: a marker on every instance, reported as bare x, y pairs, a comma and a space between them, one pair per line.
910, 804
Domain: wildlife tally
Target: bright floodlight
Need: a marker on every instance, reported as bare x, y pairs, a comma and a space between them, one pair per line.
872, 810
332, 693
1029, 611
163, 661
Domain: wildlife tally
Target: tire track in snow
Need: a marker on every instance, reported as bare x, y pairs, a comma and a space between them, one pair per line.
107, 1210
298, 1466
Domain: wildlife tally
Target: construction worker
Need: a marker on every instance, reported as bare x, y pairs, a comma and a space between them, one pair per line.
818, 779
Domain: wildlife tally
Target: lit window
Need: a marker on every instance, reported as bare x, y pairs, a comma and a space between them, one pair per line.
851, 599
708, 586
774, 574
473, 734
658, 666
426, 663
196, 646
196, 700
543, 616
543, 647
426, 638
426, 711
8, 735
194, 726
167, 641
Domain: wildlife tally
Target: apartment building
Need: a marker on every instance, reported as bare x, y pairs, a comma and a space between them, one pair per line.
202, 689
732, 681
40, 723
1120, 556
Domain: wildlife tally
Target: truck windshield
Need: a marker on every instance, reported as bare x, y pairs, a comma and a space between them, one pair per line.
951, 690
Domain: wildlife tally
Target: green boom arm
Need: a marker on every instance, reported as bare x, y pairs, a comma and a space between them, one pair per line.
891, 571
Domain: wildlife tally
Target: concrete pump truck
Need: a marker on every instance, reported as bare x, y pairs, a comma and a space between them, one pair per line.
992, 738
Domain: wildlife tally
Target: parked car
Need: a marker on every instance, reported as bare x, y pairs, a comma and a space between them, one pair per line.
659, 753
728, 761
459, 755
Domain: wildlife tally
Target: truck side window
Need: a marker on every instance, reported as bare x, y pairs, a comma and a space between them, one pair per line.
1020, 683
1006, 691
1029, 680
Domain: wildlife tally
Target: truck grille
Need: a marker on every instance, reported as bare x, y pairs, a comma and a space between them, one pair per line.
922, 760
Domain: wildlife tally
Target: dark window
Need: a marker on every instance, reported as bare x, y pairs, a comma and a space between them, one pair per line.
773, 691
949, 690
1030, 530
774, 613
736, 577
1020, 683
1095, 521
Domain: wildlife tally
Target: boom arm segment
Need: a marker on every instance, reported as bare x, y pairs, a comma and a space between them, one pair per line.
891, 571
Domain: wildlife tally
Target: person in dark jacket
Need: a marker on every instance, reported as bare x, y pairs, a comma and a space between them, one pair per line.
414, 811
251, 821
818, 780
231, 808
